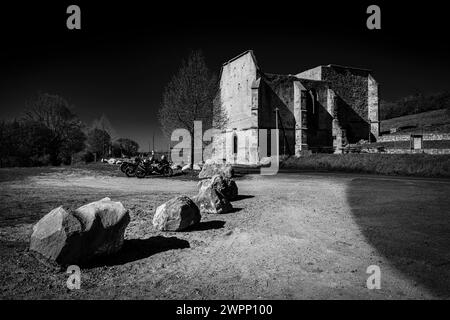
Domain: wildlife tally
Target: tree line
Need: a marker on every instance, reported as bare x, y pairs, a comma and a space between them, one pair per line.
50, 133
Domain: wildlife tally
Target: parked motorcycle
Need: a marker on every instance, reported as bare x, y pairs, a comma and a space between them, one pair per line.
147, 168
130, 169
124, 165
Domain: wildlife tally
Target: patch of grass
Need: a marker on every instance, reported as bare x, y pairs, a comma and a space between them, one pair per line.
421, 165
11, 174
92, 169
99, 168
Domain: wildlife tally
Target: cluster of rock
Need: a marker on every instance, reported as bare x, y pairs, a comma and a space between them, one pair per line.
214, 196
98, 228
93, 230
211, 169
176, 214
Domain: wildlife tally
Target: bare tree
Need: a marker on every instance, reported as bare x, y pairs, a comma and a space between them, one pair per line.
104, 124
191, 95
99, 142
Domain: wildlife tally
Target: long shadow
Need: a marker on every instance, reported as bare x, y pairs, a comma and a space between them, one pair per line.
207, 225
409, 224
357, 128
242, 197
136, 249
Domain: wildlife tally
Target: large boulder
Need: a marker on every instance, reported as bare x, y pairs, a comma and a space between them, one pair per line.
104, 224
57, 237
211, 169
92, 230
176, 214
210, 200
227, 187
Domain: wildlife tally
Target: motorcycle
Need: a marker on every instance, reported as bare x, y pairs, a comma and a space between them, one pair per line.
124, 166
130, 169
147, 168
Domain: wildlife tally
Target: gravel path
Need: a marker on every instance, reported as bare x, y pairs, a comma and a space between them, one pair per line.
291, 236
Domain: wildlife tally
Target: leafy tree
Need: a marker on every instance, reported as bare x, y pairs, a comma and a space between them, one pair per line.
74, 143
126, 147
65, 129
24, 143
191, 96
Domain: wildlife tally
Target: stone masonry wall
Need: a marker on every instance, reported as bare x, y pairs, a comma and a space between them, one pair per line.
407, 137
351, 86
312, 74
236, 83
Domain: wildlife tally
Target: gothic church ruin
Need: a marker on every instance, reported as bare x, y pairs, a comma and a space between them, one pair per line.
318, 110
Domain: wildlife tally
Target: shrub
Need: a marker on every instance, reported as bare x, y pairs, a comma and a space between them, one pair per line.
423, 165
83, 157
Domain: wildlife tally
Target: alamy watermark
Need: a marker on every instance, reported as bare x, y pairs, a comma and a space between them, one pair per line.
225, 146
374, 20
74, 280
73, 22
374, 280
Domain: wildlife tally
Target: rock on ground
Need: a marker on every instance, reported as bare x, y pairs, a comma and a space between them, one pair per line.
211, 169
92, 230
211, 201
105, 221
227, 187
176, 214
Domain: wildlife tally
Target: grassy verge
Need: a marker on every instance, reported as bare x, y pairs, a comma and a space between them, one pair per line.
421, 165
92, 169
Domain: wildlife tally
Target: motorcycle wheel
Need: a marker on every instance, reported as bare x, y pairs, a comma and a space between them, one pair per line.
140, 173
123, 167
167, 171
130, 172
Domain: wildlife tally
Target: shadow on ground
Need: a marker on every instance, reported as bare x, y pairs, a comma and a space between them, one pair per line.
408, 222
136, 249
242, 197
234, 210
207, 225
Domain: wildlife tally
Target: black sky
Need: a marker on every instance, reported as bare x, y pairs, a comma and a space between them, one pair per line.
120, 61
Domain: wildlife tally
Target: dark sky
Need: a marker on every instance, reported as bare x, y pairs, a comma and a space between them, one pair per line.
125, 53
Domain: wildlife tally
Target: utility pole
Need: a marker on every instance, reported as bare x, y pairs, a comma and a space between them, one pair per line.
276, 132
153, 141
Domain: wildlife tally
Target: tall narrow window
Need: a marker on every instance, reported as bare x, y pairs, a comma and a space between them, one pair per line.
235, 144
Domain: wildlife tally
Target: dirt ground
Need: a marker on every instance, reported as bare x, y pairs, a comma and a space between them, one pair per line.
291, 236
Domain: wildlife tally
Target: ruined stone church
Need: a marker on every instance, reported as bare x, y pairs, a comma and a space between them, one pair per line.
318, 110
